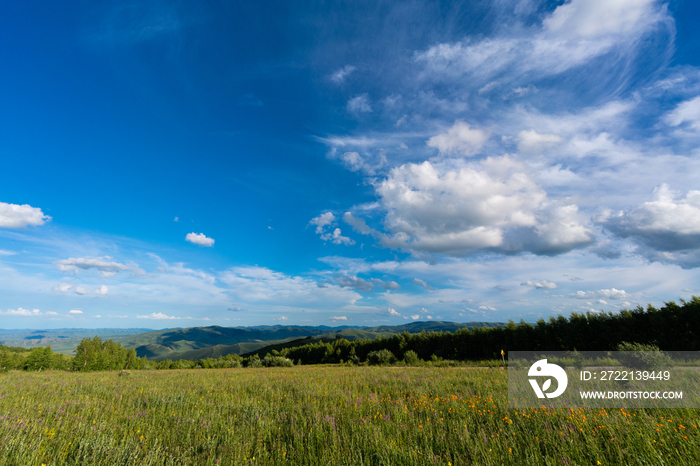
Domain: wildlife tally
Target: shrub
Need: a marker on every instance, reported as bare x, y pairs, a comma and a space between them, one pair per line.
411, 358
641, 356
276, 361
380, 358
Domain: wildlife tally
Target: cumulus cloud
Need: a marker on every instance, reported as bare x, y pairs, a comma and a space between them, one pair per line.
359, 104
339, 76
460, 139
102, 290
456, 209
415, 317
392, 312
81, 290
335, 237
360, 284
157, 316
200, 239
667, 228
62, 287
539, 284
338, 318
322, 221
390, 285
75, 312
21, 216
358, 224
25, 312
607, 294
422, 283
104, 264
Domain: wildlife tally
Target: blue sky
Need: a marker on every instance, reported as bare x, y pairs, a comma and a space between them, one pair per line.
173, 164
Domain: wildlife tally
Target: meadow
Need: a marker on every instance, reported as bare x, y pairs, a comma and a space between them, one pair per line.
318, 415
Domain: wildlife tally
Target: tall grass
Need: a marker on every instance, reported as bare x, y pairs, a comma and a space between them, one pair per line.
318, 415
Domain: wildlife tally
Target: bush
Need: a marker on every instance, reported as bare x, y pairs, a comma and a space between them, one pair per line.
276, 361
39, 359
380, 358
641, 356
254, 361
411, 358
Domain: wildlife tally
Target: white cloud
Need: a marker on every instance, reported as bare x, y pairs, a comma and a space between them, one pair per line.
353, 161
392, 312
322, 220
157, 316
102, 290
613, 294
422, 283
667, 213
81, 290
539, 284
98, 316
200, 239
339, 76
75, 312
390, 285
460, 139
62, 287
592, 19
281, 318
359, 284
358, 224
455, 209
531, 141
685, 112
415, 317
359, 104
575, 34
24, 312
667, 229
103, 264
21, 216
176, 219
338, 318
335, 237
487, 308
4, 252
607, 293
264, 287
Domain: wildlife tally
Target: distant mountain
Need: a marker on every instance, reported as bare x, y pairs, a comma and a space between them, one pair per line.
203, 342
62, 340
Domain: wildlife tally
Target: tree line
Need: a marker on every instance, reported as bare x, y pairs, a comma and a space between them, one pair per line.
671, 328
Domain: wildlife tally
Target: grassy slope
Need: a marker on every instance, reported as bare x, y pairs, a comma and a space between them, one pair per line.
319, 415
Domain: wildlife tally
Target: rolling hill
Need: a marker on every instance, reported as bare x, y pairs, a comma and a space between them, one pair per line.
204, 342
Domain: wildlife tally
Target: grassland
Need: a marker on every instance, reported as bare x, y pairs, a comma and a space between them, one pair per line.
318, 415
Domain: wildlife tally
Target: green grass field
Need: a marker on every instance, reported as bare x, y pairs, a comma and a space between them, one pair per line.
320, 415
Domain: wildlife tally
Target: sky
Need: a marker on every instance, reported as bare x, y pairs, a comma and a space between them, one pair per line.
176, 164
